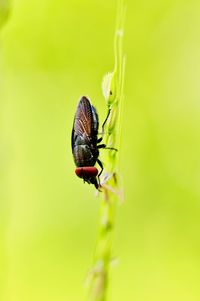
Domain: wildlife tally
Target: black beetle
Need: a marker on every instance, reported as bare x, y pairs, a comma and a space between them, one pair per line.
85, 143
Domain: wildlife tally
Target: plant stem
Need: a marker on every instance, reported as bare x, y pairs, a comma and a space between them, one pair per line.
113, 85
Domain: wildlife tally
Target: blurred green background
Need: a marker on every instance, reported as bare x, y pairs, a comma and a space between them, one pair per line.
51, 53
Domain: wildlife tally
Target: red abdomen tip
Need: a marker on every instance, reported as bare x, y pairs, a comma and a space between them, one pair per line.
85, 172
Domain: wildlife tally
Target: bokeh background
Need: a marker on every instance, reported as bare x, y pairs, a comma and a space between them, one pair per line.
51, 53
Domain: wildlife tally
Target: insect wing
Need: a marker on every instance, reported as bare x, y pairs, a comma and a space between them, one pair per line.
83, 121
95, 119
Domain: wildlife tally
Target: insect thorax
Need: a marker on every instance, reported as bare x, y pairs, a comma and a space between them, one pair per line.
84, 155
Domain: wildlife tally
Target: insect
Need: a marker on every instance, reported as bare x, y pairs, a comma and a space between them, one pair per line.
85, 143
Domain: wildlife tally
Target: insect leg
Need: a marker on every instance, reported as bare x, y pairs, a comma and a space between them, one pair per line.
103, 125
105, 121
96, 184
101, 146
101, 165
105, 147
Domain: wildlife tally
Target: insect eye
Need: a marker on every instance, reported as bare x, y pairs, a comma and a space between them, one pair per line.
86, 172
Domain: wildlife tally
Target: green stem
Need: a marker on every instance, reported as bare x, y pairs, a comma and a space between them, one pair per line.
103, 251
113, 92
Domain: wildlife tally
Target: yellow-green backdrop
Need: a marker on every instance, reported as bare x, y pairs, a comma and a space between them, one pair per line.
51, 53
